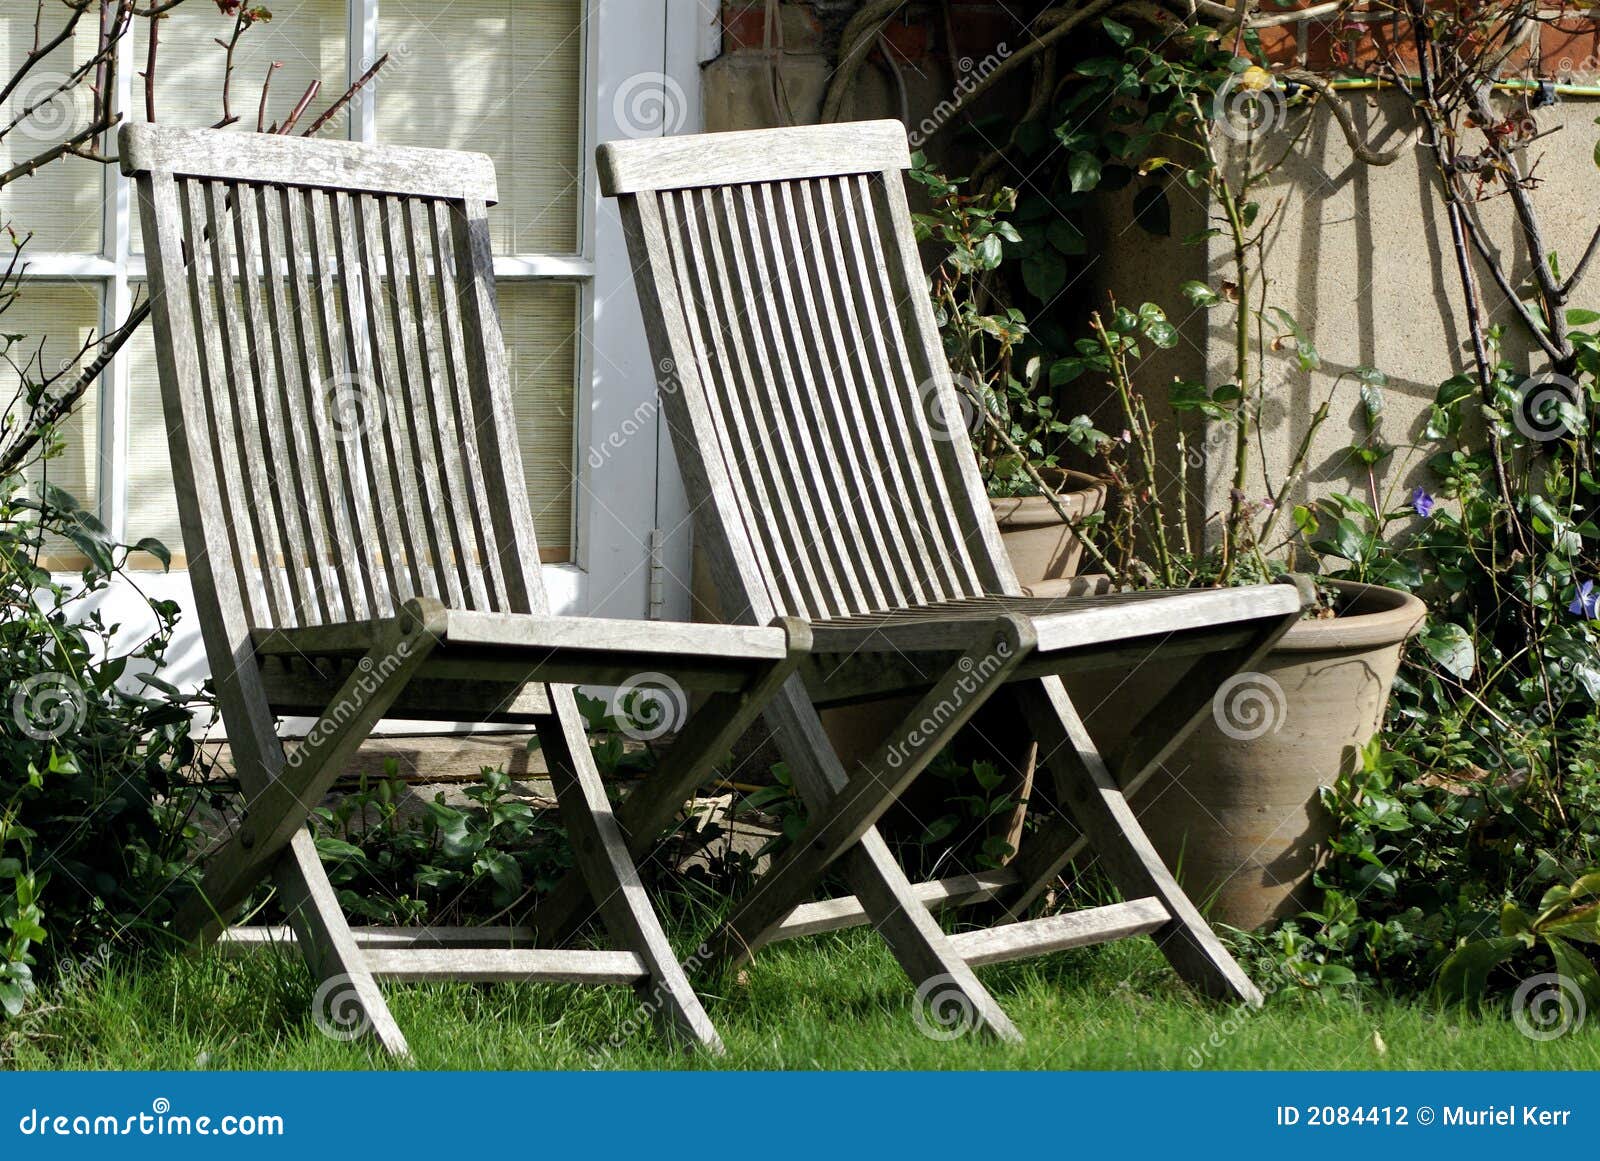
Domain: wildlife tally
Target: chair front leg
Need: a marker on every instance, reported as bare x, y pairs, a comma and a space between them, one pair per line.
708, 735
951, 701
279, 810
1085, 787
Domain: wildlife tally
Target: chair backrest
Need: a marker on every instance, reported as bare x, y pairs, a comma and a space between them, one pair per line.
803, 379
333, 376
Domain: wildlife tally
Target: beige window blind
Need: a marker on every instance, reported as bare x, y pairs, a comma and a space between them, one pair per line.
63, 315
499, 76
61, 204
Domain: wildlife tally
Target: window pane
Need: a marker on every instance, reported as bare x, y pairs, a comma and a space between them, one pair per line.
307, 38
540, 324
499, 76
63, 316
61, 203
152, 503
540, 321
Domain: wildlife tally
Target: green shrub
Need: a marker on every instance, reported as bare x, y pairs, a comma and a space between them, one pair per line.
96, 757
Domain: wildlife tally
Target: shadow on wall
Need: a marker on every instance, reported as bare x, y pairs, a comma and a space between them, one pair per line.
1361, 256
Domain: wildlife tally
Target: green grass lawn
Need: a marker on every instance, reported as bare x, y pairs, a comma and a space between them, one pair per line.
831, 1002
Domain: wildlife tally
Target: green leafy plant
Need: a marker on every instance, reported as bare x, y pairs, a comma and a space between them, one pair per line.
1567, 915
98, 768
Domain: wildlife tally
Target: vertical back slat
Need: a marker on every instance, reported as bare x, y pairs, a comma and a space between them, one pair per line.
837, 531
213, 374
280, 265
490, 379
464, 406
390, 442
278, 463
341, 401
439, 417
709, 278
306, 276
426, 493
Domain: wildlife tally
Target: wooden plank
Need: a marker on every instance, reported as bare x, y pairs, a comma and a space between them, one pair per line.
706, 738
1084, 786
240, 940
503, 965
600, 851
855, 807
500, 454
750, 156
1058, 932
1173, 613
847, 911
303, 161
277, 811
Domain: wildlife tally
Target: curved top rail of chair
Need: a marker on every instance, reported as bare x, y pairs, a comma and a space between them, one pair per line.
752, 155
344, 165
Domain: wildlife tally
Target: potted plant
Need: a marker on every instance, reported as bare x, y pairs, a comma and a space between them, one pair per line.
1236, 808
1014, 423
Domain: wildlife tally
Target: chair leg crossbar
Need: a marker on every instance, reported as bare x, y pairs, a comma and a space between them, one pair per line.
845, 810
350, 961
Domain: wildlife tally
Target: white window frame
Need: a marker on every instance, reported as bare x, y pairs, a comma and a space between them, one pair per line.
612, 565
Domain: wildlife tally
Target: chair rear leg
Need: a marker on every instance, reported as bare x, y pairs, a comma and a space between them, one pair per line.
913, 934
601, 852
348, 1001
1085, 787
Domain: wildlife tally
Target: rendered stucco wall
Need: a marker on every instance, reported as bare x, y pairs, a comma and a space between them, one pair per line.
1362, 257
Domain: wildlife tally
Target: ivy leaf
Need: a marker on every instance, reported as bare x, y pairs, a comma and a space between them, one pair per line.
1121, 33
1084, 171
1044, 275
1451, 647
1199, 293
1582, 318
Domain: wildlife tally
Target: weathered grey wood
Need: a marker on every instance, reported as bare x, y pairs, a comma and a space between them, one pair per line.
242, 939
1059, 932
324, 939
274, 814
919, 944
601, 852
857, 806
708, 736
755, 155
299, 161
361, 543
507, 965
783, 293
1085, 787
846, 911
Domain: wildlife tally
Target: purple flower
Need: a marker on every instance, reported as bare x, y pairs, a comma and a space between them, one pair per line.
1422, 503
1587, 603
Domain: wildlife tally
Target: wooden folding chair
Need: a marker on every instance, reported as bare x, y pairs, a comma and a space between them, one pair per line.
361, 545
811, 410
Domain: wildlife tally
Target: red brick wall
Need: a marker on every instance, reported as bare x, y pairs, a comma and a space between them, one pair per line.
1567, 44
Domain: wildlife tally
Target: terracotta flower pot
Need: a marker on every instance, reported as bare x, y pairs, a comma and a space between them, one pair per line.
1041, 545
1235, 810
